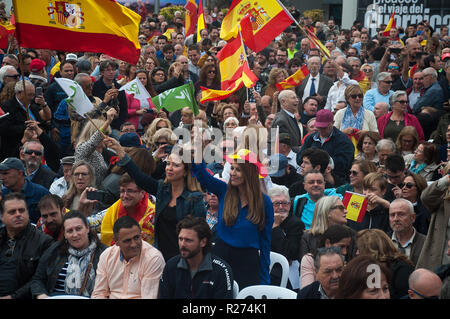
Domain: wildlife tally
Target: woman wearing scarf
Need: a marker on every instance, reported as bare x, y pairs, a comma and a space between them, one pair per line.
355, 118
69, 266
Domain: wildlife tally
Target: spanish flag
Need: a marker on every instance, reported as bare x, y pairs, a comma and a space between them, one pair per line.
391, 24
201, 20
102, 26
268, 19
317, 43
294, 80
356, 205
6, 29
190, 17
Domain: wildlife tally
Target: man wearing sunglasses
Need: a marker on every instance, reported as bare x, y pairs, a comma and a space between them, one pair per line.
32, 154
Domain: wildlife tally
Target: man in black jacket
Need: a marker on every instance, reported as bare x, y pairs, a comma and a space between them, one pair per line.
195, 273
32, 154
21, 246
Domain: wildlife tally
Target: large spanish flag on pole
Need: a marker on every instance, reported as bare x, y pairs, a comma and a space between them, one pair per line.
268, 19
190, 18
102, 26
201, 21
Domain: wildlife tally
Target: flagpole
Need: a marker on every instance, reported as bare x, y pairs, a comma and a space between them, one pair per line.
92, 122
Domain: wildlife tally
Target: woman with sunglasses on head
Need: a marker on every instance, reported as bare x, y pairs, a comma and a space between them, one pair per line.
355, 118
391, 124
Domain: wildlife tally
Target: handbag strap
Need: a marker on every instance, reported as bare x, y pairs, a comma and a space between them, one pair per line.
86, 275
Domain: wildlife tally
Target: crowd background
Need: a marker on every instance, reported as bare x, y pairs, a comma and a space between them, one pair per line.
372, 119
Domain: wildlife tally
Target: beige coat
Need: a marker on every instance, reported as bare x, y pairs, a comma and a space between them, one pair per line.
435, 244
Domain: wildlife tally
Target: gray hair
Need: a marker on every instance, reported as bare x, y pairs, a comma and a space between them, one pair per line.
385, 143
283, 94
383, 76
395, 95
430, 71
79, 77
231, 119
279, 190
19, 86
25, 145
313, 57
329, 251
406, 202
353, 58
4, 69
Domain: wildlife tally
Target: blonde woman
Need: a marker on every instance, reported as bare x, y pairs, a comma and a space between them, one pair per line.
157, 123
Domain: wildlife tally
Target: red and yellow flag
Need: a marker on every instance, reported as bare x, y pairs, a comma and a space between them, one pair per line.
190, 18
6, 29
317, 43
294, 80
201, 20
102, 26
356, 205
267, 20
391, 24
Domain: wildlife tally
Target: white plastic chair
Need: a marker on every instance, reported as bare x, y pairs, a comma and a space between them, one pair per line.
67, 297
266, 292
235, 289
280, 259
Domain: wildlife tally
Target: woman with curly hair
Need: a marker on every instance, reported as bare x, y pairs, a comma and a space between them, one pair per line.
276, 75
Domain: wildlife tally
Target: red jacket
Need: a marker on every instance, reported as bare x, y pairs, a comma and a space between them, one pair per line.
410, 120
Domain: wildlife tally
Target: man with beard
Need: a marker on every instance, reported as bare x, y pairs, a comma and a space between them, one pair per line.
32, 154
195, 273
131, 268
52, 210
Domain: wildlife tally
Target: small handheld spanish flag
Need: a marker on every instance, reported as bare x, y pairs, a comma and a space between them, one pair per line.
356, 205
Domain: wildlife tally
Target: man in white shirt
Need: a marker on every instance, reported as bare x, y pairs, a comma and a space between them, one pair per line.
59, 186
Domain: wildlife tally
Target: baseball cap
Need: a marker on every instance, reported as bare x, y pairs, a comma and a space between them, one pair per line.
71, 57
37, 65
323, 118
285, 138
278, 163
445, 56
130, 140
12, 163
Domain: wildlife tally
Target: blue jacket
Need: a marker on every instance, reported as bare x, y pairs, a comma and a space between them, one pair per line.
33, 194
338, 146
433, 96
243, 233
187, 203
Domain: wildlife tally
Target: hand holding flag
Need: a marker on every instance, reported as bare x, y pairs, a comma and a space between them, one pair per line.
356, 205
136, 88
77, 100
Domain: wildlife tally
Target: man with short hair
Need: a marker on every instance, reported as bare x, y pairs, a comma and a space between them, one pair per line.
328, 265
334, 142
281, 58
304, 205
52, 211
195, 273
433, 95
12, 176
395, 169
54, 93
194, 55
8, 74
404, 235
32, 154
384, 148
416, 90
131, 268
21, 247
380, 109
424, 284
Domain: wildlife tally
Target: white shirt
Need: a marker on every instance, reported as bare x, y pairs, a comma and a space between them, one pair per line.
336, 92
59, 187
308, 86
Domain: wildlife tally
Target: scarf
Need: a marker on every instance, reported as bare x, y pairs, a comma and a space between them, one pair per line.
417, 169
349, 120
78, 262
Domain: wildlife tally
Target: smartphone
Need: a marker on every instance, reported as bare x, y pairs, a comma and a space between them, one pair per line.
168, 149
96, 195
39, 91
395, 50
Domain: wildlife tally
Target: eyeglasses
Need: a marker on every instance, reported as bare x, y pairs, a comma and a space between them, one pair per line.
275, 204
326, 250
80, 174
402, 101
409, 185
11, 246
387, 82
393, 67
30, 152
129, 191
354, 173
354, 96
15, 76
422, 296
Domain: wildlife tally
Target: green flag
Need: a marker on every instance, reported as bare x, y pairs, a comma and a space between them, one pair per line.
177, 98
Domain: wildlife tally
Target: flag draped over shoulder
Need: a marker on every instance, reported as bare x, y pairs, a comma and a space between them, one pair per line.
177, 98
267, 19
190, 19
201, 20
77, 100
6, 29
356, 205
391, 24
294, 80
102, 26
234, 72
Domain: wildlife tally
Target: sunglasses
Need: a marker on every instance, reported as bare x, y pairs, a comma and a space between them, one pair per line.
392, 67
212, 72
15, 76
402, 101
30, 152
422, 296
409, 185
367, 70
353, 173
354, 96
388, 82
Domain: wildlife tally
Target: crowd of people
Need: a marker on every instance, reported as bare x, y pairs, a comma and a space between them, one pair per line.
118, 205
